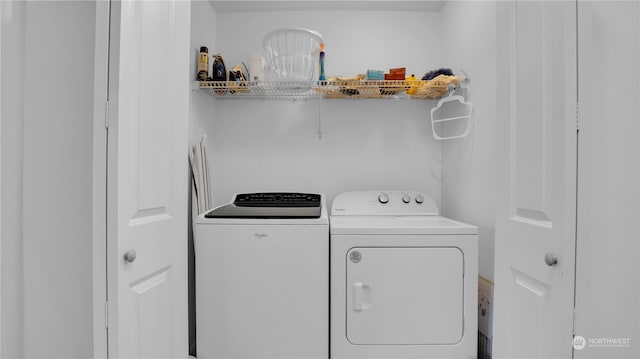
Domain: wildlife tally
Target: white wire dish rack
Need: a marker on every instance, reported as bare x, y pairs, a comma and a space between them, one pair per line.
292, 57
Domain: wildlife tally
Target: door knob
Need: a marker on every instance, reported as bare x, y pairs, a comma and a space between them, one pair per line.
550, 259
130, 255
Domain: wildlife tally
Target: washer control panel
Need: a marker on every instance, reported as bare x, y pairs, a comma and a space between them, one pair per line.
277, 199
383, 198
410, 203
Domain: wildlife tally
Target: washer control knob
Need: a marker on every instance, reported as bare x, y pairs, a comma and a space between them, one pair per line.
383, 198
406, 198
419, 199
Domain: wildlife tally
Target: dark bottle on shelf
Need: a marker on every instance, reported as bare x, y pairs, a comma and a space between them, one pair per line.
203, 64
218, 71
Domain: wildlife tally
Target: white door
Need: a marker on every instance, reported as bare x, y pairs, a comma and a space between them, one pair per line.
405, 296
147, 179
536, 218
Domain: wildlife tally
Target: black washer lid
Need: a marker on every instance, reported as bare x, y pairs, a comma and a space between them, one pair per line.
277, 199
270, 205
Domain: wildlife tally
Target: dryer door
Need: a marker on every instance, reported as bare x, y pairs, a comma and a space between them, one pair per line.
405, 295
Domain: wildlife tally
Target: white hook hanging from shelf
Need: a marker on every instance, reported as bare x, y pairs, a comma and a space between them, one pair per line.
466, 78
454, 111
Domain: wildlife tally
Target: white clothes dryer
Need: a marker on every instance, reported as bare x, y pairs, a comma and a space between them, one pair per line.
262, 278
403, 278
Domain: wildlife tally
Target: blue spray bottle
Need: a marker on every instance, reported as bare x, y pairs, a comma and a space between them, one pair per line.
322, 76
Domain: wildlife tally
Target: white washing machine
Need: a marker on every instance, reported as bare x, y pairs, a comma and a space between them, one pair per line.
262, 278
403, 278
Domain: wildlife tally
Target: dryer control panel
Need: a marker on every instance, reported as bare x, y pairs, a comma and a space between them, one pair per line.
384, 203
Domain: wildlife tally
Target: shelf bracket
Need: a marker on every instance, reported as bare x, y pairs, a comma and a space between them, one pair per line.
319, 120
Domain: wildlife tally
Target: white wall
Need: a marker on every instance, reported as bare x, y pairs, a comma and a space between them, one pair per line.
203, 33
608, 269
354, 40
469, 166
13, 46
57, 179
365, 144
275, 146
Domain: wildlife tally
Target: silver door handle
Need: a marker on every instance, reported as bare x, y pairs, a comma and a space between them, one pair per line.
130, 255
550, 259
361, 296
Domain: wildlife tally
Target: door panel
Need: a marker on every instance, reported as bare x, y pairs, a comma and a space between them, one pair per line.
147, 107
147, 179
528, 161
152, 295
531, 294
536, 206
531, 139
405, 295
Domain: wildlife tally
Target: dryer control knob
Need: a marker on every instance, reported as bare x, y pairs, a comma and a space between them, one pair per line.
383, 198
406, 198
419, 199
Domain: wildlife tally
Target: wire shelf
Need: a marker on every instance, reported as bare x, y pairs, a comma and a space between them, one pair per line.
303, 90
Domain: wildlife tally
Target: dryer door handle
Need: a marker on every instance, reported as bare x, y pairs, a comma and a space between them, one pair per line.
361, 295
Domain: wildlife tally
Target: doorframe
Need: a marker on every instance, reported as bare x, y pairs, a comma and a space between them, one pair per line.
99, 215
1, 241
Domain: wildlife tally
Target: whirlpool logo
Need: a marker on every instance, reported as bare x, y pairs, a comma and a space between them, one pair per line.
260, 235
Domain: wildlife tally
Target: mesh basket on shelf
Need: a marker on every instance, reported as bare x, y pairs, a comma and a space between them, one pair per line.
292, 56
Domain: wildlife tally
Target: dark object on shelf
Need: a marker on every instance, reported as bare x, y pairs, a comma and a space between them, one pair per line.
203, 64
432, 74
236, 74
219, 71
